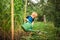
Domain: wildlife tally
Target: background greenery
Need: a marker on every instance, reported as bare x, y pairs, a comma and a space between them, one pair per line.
51, 10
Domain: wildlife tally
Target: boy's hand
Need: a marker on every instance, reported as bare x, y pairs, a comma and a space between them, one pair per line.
25, 19
32, 23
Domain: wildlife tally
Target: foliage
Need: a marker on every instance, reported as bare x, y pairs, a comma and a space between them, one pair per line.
5, 15
18, 12
5, 20
47, 32
50, 9
48, 29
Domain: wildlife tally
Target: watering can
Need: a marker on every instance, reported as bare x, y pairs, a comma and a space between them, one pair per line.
27, 26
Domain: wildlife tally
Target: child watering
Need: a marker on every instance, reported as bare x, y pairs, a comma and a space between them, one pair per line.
27, 26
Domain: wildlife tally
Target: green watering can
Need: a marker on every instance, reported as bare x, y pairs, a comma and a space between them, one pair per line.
27, 26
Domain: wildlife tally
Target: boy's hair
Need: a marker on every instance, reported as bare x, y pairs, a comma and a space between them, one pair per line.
34, 14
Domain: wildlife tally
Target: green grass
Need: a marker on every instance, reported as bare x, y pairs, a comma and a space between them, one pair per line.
48, 29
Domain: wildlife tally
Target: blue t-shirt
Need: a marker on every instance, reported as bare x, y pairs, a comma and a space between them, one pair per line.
30, 19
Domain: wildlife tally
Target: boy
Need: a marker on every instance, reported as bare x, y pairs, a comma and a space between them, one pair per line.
30, 21
31, 17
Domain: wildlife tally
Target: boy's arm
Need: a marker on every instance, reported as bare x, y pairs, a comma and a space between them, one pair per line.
26, 19
32, 22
